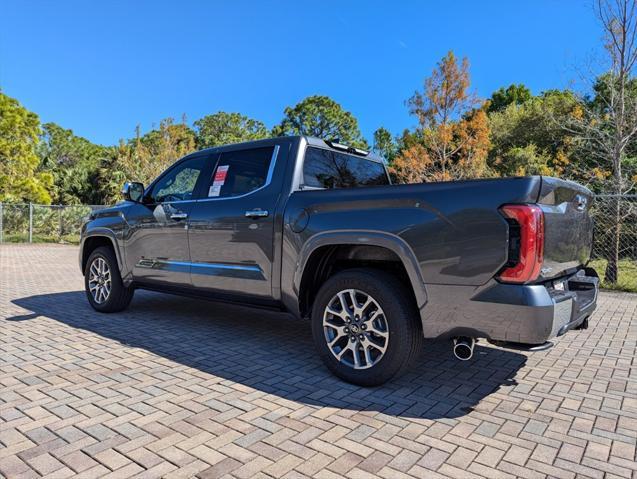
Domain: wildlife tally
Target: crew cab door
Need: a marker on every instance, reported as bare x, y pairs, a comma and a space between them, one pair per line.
231, 229
157, 242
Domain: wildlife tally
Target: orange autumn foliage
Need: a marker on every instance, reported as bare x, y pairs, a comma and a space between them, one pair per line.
455, 134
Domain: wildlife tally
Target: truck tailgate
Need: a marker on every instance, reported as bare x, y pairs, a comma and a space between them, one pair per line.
568, 227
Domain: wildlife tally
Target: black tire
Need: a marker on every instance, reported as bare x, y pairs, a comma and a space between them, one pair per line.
404, 342
120, 296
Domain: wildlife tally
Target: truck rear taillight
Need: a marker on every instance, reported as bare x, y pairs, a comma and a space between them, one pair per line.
526, 243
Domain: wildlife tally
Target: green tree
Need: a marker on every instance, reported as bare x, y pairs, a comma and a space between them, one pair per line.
144, 157
607, 126
529, 138
512, 95
410, 138
224, 128
321, 117
20, 179
384, 144
526, 160
74, 163
116, 169
593, 130
166, 144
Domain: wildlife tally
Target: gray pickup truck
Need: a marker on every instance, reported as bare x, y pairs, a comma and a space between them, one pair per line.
316, 228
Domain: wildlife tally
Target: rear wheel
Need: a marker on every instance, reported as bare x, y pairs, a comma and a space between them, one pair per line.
365, 326
103, 283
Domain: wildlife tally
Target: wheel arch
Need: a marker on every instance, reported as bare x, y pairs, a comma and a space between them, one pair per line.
356, 248
96, 239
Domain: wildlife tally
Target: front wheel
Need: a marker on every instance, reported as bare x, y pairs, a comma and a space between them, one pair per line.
365, 327
103, 283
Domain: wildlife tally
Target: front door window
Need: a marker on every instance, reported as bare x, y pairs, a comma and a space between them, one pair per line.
178, 183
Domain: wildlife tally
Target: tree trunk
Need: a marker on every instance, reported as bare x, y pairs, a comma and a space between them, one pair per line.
611, 273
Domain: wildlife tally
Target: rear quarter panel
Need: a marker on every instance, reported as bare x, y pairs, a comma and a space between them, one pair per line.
454, 230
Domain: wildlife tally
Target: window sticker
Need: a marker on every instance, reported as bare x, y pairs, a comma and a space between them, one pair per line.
214, 190
218, 180
220, 175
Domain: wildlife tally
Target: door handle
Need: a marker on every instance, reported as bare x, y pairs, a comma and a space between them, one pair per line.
256, 213
179, 216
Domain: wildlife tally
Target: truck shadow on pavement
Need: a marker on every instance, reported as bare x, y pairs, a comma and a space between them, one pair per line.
273, 353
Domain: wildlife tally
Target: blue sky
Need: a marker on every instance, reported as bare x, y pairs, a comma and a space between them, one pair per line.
100, 68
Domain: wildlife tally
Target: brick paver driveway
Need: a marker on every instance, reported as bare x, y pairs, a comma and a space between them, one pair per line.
175, 387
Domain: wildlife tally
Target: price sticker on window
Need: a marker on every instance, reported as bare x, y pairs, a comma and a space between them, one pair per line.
218, 180
220, 175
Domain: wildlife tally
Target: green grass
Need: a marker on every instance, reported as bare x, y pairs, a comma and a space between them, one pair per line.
627, 280
24, 238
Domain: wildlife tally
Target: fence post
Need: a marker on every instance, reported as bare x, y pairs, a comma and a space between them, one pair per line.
60, 223
1, 222
30, 222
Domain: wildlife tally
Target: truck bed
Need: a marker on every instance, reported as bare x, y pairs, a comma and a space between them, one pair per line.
455, 229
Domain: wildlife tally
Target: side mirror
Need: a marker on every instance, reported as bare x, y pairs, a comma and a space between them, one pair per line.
133, 191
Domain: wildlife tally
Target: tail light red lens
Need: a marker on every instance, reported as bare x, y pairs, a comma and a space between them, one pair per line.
526, 264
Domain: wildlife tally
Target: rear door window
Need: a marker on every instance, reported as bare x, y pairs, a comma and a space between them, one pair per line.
329, 169
240, 172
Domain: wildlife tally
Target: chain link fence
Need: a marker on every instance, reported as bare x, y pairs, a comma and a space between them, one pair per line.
614, 250
615, 241
31, 223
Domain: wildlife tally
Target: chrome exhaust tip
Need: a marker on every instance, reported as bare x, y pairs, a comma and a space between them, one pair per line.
463, 348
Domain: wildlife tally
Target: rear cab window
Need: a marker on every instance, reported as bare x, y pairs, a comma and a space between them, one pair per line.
331, 169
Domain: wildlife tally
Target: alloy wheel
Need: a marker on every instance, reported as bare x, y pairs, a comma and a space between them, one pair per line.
356, 329
99, 281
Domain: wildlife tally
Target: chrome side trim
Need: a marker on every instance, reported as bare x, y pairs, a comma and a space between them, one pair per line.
275, 153
239, 267
163, 265
297, 178
241, 271
244, 271
268, 180
171, 202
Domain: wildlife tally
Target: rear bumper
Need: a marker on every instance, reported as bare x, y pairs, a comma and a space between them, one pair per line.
528, 314
585, 290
